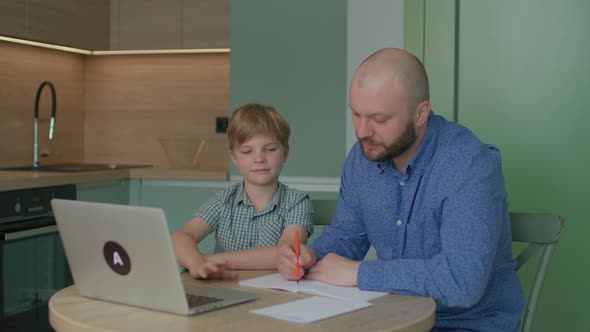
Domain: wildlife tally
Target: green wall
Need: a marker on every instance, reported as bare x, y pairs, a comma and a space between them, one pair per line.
522, 78
292, 55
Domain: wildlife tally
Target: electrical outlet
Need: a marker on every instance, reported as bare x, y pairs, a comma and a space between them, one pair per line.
221, 124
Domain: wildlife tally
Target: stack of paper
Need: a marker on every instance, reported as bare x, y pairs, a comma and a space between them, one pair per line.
332, 300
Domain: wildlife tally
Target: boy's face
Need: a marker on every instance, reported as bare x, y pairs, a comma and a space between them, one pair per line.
260, 159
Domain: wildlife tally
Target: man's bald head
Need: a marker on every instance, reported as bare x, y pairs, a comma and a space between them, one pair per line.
391, 67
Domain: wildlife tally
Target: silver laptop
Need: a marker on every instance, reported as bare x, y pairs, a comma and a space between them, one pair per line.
124, 254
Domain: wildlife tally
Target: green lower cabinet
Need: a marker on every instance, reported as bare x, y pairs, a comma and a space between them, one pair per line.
180, 200
111, 191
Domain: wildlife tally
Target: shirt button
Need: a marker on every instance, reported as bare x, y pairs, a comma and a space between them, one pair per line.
402, 183
398, 222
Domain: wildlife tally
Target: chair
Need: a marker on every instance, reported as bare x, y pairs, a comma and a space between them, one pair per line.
323, 211
541, 231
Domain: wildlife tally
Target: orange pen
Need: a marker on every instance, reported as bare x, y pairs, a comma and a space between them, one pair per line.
297, 267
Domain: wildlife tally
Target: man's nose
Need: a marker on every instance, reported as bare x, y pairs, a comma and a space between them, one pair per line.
363, 129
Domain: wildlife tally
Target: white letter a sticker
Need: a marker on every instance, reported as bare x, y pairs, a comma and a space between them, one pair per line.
117, 259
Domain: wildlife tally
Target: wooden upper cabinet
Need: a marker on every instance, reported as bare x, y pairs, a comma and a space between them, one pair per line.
81, 24
13, 18
169, 24
146, 24
205, 24
119, 24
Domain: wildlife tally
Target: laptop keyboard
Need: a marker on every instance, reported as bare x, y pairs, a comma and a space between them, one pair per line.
195, 300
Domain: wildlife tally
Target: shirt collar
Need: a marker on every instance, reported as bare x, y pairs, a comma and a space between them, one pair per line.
425, 151
428, 146
243, 198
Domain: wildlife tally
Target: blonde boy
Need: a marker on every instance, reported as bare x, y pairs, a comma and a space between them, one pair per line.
252, 217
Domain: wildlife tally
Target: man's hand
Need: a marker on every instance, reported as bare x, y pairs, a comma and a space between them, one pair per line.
212, 268
335, 270
286, 260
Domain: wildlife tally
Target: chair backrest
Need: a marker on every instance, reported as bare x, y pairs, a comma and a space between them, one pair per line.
323, 211
541, 231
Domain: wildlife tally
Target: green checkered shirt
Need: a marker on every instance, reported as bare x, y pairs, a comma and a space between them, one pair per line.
237, 225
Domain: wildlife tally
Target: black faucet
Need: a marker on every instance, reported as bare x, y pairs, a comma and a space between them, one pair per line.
36, 120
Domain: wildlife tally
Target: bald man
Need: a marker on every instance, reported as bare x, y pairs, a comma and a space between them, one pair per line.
428, 195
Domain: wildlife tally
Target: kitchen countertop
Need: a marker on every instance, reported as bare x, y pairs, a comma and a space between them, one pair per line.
14, 180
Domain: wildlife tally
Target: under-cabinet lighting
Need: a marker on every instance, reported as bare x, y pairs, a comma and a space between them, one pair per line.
119, 52
175, 51
45, 45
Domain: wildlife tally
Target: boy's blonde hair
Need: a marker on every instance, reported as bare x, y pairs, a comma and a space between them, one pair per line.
253, 119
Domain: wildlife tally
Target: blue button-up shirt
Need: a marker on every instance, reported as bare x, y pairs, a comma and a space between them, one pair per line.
441, 229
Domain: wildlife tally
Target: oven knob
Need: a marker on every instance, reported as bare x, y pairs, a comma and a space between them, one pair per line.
17, 207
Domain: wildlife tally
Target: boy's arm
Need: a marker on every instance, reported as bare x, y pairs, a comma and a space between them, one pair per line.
185, 241
263, 258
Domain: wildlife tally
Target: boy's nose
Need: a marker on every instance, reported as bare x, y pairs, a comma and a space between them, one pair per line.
259, 158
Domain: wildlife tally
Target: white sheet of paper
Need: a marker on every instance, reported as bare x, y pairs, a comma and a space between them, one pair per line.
276, 281
311, 309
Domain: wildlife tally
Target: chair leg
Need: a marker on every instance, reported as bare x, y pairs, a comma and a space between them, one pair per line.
529, 314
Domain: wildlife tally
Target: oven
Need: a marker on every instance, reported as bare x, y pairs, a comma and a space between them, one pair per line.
33, 265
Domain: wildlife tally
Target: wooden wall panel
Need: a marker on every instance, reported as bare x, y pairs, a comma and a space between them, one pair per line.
22, 69
133, 100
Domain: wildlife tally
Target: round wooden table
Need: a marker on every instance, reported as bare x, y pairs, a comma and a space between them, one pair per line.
69, 311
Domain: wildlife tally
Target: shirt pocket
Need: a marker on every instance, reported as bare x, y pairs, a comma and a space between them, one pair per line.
423, 234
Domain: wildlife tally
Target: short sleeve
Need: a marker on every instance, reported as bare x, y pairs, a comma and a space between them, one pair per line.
300, 213
211, 211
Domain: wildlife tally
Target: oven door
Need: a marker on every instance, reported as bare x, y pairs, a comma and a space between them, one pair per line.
33, 267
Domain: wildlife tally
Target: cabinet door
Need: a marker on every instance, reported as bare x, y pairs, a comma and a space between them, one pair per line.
116, 192
13, 18
180, 200
523, 80
82, 24
148, 24
205, 24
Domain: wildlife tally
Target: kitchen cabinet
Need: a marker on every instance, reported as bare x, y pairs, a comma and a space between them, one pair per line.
142, 25
180, 200
81, 24
112, 191
13, 18
169, 24
205, 24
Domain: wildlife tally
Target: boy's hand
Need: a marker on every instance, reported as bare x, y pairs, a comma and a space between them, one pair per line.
212, 268
286, 260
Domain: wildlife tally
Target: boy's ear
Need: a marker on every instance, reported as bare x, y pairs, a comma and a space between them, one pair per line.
233, 158
286, 152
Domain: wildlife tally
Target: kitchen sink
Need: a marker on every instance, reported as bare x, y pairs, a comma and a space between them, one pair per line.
72, 167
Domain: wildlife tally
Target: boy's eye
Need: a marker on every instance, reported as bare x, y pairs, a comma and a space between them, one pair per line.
245, 151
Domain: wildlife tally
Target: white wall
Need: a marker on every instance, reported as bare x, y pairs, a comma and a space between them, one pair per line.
372, 25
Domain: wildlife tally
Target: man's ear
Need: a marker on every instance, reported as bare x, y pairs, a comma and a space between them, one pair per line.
423, 112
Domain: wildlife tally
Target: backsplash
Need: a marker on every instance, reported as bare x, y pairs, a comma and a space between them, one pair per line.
112, 109
22, 69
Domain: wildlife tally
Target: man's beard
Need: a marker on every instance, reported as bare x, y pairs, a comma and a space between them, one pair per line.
401, 145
